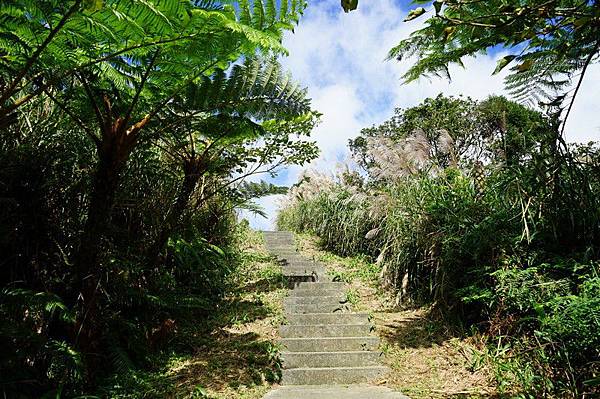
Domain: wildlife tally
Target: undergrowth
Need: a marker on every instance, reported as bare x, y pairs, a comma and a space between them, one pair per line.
232, 352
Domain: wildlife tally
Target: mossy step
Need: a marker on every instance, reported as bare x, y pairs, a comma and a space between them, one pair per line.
330, 344
295, 279
325, 330
303, 266
320, 286
314, 300
293, 360
281, 250
334, 392
282, 256
295, 256
267, 233
304, 272
331, 307
306, 264
327, 318
323, 292
332, 375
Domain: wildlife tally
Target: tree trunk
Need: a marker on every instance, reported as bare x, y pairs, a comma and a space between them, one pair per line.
113, 151
193, 170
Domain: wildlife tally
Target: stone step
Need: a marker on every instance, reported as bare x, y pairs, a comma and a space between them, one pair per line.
300, 270
320, 279
282, 253
332, 375
296, 256
331, 344
325, 330
292, 360
281, 257
314, 300
332, 308
320, 286
292, 256
303, 264
327, 318
294, 279
294, 271
302, 293
278, 236
298, 259
333, 392
280, 246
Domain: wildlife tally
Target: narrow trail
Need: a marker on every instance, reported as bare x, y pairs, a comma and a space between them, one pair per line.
329, 350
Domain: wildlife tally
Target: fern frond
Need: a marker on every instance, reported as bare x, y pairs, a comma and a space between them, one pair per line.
257, 89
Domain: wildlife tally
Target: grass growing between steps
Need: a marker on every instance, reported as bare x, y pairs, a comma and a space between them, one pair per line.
232, 354
428, 358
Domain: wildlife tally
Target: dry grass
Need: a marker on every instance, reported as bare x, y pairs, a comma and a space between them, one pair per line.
428, 358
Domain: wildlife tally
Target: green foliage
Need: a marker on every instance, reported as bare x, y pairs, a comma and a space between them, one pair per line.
127, 130
174, 41
572, 321
222, 349
495, 129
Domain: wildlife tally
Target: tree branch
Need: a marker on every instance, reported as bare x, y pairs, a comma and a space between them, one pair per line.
140, 87
581, 76
90, 95
74, 117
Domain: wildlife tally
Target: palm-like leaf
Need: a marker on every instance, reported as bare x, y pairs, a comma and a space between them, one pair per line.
42, 42
257, 89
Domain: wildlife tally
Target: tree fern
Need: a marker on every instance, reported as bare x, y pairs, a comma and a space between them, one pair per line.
190, 35
256, 88
552, 44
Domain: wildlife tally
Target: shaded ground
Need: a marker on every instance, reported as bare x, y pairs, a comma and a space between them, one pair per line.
240, 358
428, 358
233, 354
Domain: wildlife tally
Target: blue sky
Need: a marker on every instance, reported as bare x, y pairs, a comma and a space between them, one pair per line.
341, 59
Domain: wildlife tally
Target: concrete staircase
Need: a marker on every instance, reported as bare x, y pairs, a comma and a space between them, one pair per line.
324, 342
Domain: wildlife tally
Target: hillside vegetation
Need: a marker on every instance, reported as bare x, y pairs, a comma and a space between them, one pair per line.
133, 131
477, 209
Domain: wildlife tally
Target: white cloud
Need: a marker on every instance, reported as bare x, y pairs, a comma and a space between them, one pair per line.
583, 124
341, 59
